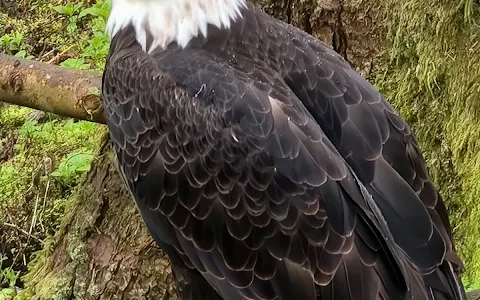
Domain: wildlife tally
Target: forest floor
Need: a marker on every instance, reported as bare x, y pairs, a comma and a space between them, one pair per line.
44, 157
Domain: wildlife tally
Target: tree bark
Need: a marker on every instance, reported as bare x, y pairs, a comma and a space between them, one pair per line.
103, 250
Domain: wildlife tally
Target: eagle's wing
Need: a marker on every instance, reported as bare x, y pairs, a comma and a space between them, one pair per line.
239, 182
380, 147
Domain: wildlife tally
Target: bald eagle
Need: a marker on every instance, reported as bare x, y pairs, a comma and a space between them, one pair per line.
263, 165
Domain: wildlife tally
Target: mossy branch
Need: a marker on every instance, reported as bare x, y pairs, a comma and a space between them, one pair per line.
66, 92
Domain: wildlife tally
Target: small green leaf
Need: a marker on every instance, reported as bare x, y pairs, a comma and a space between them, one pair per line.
75, 63
21, 53
94, 11
60, 9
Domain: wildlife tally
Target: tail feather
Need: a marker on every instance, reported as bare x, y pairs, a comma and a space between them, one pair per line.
444, 284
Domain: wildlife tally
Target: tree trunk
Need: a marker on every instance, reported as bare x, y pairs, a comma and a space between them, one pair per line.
103, 250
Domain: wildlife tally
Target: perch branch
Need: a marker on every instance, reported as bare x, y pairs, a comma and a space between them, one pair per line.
65, 92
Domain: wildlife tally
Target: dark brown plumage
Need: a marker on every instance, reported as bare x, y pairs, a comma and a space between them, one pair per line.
267, 168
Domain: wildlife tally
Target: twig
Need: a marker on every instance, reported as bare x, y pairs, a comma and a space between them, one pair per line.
59, 54
44, 55
34, 217
44, 204
22, 231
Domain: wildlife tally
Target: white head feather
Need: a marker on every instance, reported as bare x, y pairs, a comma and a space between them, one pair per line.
171, 20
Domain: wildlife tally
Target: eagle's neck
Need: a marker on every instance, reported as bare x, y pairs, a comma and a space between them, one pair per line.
167, 21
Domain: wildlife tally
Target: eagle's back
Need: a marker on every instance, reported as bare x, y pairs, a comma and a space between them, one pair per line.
251, 158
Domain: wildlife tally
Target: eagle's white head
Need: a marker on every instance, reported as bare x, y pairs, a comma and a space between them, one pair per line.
171, 20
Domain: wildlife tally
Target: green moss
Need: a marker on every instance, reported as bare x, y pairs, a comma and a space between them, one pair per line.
433, 78
54, 31
54, 280
68, 147
13, 116
30, 189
